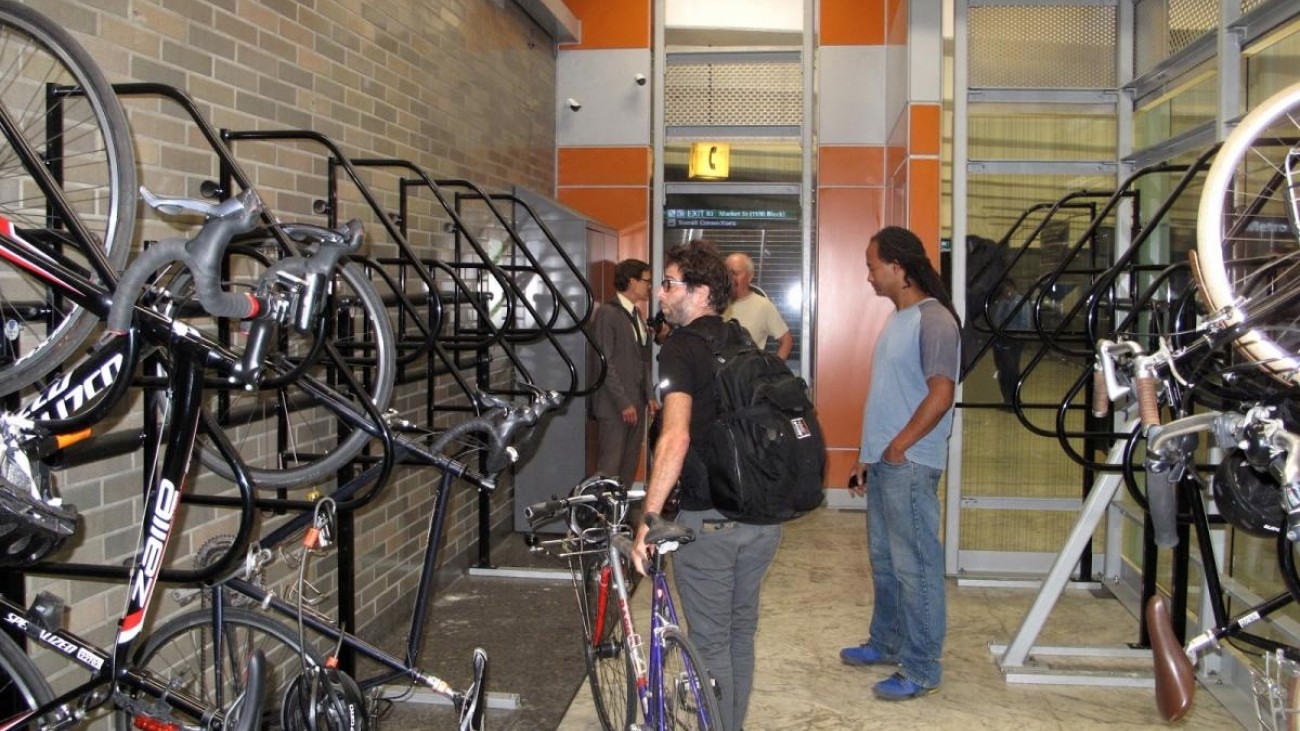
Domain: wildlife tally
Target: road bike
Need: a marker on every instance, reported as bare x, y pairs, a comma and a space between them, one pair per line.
661, 674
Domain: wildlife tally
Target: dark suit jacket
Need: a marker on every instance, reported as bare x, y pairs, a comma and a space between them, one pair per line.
627, 362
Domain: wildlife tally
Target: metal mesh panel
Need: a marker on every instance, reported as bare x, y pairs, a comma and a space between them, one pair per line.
1189, 20
766, 93
1042, 47
1249, 5
1165, 27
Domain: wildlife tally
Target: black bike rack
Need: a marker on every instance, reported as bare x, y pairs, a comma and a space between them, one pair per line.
444, 333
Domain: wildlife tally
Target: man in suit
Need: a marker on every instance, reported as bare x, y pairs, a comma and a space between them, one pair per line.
621, 404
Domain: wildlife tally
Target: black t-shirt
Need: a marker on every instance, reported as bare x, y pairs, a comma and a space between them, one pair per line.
686, 366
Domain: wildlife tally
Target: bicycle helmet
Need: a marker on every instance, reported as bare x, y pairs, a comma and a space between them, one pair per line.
30, 528
1248, 498
324, 699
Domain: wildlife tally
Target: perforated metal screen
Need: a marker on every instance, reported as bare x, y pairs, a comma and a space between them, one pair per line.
1189, 20
1042, 47
759, 93
1165, 27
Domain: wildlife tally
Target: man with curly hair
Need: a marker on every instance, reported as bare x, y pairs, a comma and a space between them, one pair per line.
719, 575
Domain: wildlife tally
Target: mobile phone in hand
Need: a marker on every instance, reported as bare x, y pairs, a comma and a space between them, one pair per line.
853, 481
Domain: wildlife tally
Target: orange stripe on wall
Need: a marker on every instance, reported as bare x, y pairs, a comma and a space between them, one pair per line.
612, 23
851, 165
923, 203
924, 135
618, 208
852, 22
603, 166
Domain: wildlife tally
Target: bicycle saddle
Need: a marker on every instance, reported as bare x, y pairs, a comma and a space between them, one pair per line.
660, 531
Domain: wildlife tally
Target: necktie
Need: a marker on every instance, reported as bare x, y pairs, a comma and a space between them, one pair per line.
639, 327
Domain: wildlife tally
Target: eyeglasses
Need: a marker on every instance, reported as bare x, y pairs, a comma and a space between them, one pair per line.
647, 280
668, 282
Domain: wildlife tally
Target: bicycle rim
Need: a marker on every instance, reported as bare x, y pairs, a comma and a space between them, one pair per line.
182, 652
22, 688
1248, 246
689, 697
285, 433
609, 666
85, 141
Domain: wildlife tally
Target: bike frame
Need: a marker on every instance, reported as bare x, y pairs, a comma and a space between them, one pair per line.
646, 664
164, 484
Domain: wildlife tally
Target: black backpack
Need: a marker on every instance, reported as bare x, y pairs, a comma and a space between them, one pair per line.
765, 454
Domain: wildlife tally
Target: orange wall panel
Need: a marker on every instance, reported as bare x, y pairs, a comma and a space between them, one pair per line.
618, 208
611, 23
603, 166
849, 314
924, 135
851, 165
852, 22
923, 203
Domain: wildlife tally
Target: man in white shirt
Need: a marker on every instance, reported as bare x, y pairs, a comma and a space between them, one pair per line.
755, 312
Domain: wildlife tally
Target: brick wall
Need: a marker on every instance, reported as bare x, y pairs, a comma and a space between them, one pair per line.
461, 88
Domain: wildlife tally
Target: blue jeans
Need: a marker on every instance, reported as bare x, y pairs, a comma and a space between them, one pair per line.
909, 618
718, 577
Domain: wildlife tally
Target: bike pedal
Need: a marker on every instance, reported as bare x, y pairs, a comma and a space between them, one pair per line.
639, 727
47, 611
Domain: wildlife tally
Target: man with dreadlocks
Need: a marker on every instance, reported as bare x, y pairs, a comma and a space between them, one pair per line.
905, 429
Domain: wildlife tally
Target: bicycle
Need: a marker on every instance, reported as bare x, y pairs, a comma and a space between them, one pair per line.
290, 296
38, 523
201, 644
664, 675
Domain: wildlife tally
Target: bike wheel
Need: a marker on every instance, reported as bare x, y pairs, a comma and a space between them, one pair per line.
22, 687
182, 651
73, 199
1248, 235
689, 697
287, 433
609, 665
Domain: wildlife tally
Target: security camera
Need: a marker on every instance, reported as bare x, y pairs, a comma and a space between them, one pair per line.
640, 79
574, 104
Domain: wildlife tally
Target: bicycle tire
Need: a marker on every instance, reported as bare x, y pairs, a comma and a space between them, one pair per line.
609, 665
22, 687
92, 148
689, 695
311, 452
1246, 270
181, 651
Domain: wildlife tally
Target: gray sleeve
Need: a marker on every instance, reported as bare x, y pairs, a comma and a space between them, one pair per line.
940, 342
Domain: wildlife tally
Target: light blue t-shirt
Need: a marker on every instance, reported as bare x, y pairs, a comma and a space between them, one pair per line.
917, 343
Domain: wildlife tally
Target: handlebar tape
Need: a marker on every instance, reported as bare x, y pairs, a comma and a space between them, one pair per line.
215, 301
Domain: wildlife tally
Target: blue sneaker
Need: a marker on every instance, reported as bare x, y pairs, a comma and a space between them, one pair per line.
864, 654
898, 688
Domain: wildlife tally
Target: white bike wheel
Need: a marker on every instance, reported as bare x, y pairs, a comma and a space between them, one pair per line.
1247, 243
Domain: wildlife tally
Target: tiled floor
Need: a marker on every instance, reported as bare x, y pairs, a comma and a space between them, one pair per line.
817, 599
